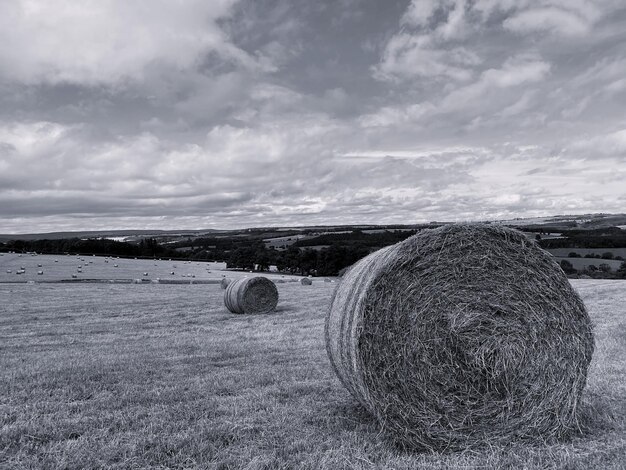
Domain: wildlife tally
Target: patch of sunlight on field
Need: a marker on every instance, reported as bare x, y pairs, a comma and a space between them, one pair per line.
144, 376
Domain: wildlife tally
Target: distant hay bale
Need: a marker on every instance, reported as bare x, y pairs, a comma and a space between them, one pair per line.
255, 294
460, 336
224, 282
305, 281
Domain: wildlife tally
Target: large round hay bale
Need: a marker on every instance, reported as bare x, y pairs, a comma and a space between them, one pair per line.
251, 295
305, 281
460, 336
224, 282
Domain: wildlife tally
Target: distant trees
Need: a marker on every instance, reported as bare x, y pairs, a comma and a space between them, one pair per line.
99, 246
612, 237
324, 262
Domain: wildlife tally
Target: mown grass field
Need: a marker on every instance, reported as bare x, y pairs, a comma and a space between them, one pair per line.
162, 376
55, 268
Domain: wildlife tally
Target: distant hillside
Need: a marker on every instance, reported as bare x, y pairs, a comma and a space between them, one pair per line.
552, 223
103, 234
322, 250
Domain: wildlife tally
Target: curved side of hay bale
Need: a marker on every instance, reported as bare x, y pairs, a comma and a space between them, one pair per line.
344, 319
224, 282
459, 336
251, 295
305, 281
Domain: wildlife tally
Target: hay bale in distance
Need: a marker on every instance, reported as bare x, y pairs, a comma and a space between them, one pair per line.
305, 281
224, 282
256, 294
460, 336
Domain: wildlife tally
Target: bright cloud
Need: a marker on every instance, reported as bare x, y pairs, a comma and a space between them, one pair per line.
107, 42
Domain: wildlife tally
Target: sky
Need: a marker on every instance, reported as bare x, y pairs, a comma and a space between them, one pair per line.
192, 114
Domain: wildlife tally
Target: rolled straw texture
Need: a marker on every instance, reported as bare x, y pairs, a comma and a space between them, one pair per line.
462, 336
251, 295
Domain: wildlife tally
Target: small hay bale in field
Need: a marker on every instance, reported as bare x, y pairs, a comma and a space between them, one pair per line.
461, 336
305, 281
224, 282
255, 294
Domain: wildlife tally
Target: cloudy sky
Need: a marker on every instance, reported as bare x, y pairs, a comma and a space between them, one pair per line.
220, 114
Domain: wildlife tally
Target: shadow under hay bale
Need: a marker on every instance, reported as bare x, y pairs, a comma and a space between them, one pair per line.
251, 295
224, 282
305, 281
462, 336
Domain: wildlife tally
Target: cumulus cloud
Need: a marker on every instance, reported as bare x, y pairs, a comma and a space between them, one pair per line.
422, 53
553, 20
514, 72
613, 143
108, 42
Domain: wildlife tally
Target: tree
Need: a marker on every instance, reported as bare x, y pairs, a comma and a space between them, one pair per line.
262, 258
621, 271
567, 267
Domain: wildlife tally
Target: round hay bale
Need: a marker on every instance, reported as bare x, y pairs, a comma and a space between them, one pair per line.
305, 281
251, 295
224, 282
461, 336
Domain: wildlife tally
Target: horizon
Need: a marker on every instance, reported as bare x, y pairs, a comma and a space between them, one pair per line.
298, 227
243, 113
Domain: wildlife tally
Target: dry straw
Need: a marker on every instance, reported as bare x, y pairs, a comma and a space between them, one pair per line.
251, 295
305, 281
461, 336
224, 282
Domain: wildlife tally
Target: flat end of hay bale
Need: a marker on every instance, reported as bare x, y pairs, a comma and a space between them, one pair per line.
251, 295
460, 336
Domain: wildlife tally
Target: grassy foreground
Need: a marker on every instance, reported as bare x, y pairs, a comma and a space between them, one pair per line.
154, 376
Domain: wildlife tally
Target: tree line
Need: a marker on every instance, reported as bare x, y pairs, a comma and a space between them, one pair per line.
147, 247
612, 237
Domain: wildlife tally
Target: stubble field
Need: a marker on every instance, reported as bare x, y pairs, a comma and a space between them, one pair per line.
162, 376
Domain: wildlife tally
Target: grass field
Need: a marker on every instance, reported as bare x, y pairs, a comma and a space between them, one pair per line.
55, 268
162, 376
